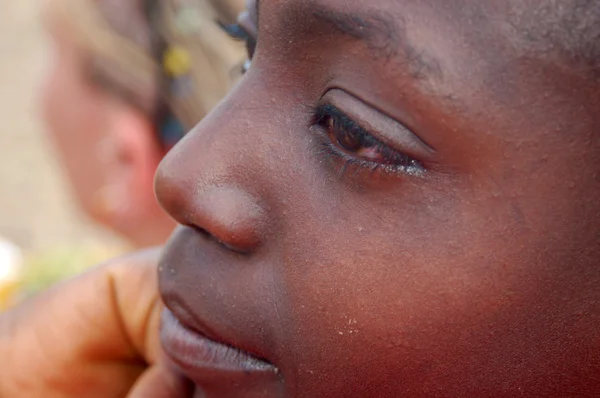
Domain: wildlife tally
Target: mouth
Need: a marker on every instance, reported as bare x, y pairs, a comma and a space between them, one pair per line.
211, 332
202, 358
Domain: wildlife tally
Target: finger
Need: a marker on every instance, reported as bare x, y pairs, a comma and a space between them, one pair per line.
137, 303
90, 336
161, 382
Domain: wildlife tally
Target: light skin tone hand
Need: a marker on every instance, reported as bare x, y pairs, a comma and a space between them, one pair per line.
93, 336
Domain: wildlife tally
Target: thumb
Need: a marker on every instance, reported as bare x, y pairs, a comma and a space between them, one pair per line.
92, 336
161, 382
133, 293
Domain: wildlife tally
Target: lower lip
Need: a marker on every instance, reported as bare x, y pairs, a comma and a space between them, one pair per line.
200, 357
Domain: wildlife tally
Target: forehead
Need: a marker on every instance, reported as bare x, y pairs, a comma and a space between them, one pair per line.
438, 45
454, 38
562, 32
404, 13
420, 33
521, 25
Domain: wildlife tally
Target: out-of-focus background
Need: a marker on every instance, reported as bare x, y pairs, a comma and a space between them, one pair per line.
98, 141
37, 211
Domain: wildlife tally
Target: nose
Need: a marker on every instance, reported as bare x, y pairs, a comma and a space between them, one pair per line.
203, 183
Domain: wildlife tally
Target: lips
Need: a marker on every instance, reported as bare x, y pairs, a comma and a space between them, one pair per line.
200, 357
212, 329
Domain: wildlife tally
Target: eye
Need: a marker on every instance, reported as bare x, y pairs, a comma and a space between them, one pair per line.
237, 32
349, 141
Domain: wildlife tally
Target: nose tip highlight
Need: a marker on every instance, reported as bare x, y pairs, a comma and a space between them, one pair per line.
226, 212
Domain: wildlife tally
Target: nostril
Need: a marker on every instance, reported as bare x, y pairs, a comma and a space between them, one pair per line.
201, 231
225, 245
230, 215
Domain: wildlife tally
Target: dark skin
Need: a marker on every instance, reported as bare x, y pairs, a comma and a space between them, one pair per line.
456, 256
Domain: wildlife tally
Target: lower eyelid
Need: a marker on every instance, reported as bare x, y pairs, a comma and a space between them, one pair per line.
325, 148
366, 154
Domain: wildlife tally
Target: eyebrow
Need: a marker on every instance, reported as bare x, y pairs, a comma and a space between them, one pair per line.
378, 33
383, 35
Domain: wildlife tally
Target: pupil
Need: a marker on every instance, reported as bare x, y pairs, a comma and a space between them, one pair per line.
347, 140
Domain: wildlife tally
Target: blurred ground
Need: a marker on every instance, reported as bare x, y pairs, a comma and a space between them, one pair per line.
36, 210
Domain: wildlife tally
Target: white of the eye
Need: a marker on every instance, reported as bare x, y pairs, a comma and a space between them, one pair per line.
246, 65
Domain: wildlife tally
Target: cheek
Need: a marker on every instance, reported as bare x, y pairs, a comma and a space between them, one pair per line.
67, 101
74, 116
51, 98
419, 297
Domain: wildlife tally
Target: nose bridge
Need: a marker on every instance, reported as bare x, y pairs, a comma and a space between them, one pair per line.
209, 180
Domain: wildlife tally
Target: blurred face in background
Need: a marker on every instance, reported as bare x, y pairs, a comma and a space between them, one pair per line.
108, 147
75, 115
106, 133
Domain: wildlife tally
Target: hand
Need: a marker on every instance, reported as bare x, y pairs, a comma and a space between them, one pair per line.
93, 336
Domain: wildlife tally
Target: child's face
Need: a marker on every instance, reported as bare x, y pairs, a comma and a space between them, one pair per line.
437, 239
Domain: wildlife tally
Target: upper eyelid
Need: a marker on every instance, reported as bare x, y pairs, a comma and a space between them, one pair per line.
424, 147
336, 112
383, 128
400, 145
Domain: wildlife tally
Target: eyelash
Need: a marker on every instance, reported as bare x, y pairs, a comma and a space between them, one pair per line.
332, 122
237, 32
